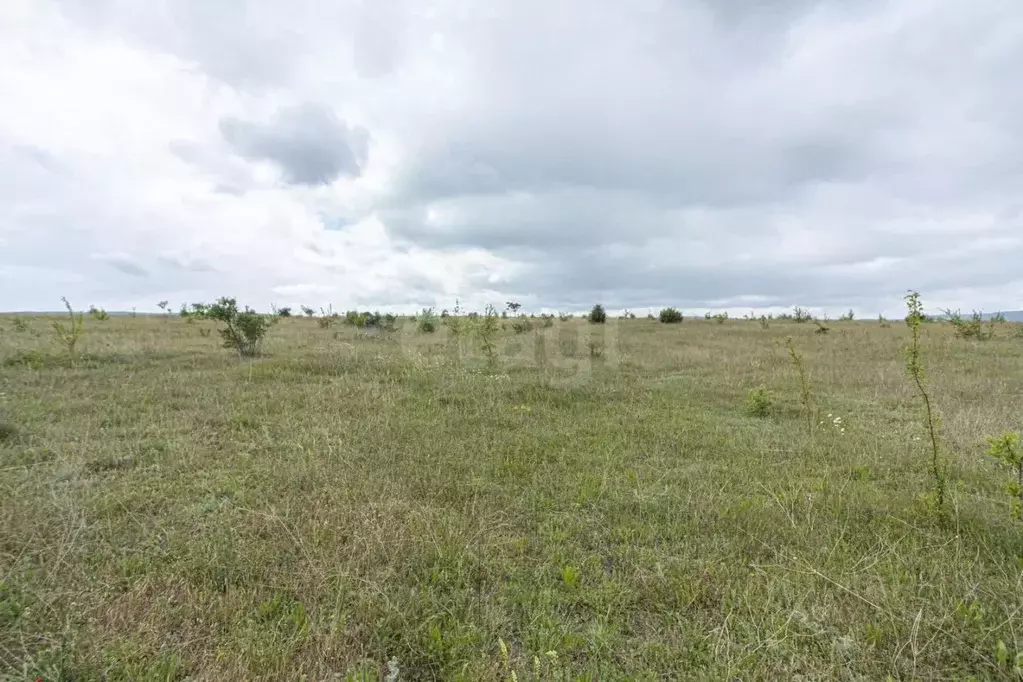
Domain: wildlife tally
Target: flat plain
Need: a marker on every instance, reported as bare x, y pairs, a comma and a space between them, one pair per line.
596, 503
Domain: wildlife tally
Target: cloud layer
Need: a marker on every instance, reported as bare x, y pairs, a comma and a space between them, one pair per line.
398, 154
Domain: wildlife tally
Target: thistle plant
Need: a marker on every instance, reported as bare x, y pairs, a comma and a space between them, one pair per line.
915, 369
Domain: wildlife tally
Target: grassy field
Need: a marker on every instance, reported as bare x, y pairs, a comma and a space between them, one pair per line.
599, 505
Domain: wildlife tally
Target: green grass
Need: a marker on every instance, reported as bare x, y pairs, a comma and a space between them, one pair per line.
605, 505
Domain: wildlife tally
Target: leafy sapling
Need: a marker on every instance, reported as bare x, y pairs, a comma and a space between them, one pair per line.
68, 334
1007, 450
915, 369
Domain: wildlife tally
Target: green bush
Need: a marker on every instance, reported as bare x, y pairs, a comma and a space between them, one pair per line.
522, 325
597, 315
98, 313
1006, 449
973, 328
670, 316
428, 322
244, 330
759, 402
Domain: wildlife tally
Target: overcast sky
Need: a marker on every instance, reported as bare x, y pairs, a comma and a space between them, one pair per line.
399, 153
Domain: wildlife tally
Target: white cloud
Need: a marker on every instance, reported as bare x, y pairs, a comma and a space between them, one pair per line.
696, 153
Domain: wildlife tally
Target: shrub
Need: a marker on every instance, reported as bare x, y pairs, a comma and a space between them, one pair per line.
721, 318
821, 327
19, 323
307, 311
597, 315
973, 328
69, 334
848, 317
1006, 449
355, 319
327, 317
547, 321
7, 432
427, 321
486, 330
564, 317
284, 312
801, 315
670, 316
244, 330
522, 325
98, 313
759, 402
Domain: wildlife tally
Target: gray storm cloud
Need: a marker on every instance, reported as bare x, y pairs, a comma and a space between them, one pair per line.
309, 144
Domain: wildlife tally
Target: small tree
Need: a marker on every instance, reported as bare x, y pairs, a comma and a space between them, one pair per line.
973, 328
284, 312
307, 311
670, 316
486, 328
1006, 449
427, 321
801, 315
915, 369
69, 334
513, 306
597, 315
244, 330
162, 305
